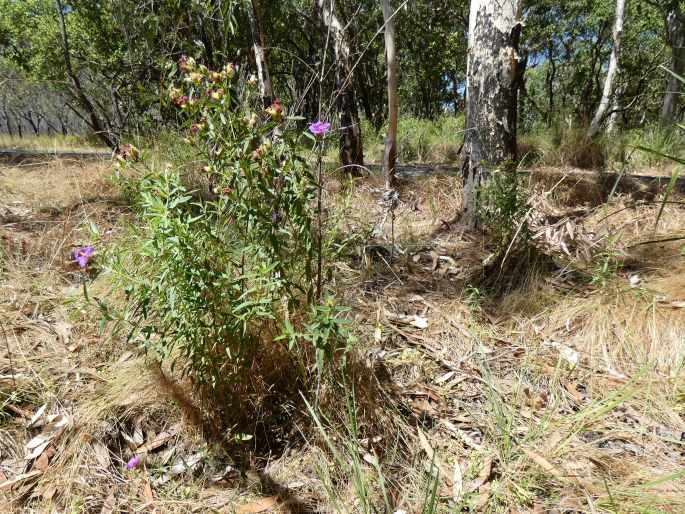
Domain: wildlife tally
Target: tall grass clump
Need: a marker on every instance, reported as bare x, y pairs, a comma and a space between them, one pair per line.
220, 285
419, 140
561, 146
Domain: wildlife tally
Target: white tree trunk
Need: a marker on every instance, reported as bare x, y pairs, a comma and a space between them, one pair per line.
351, 148
675, 25
605, 102
263, 76
612, 124
492, 81
390, 156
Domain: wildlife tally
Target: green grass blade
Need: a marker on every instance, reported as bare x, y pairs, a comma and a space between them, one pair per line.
669, 190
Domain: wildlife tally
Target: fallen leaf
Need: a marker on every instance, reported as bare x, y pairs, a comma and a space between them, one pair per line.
258, 506
102, 455
430, 452
566, 353
108, 505
38, 414
19, 411
457, 483
445, 377
158, 441
48, 493
544, 464
554, 470
147, 493
483, 476
42, 462
125, 356
56, 425
63, 331
419, 322
573, 391
19, 478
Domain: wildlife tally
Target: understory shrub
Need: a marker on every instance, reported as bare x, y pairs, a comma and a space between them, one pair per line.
503, 204
216, 281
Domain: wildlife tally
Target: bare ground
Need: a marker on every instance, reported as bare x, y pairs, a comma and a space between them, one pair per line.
558, 396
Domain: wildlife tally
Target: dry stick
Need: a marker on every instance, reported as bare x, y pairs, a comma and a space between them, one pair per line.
9, 355
667, 240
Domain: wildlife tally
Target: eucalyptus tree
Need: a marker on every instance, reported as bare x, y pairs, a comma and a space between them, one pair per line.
351, 147
259, 48
390, 155
611, 71
674, 25
492, 82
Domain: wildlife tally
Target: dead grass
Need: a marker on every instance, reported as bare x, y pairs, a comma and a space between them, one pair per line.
560, 395
48, 143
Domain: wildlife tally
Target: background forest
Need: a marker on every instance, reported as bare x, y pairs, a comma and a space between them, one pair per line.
120, 51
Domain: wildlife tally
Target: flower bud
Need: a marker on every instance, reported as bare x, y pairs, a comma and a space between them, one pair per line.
229, 70
186, 63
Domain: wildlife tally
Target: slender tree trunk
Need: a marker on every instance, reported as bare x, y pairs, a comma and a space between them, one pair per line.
391, 142
675, 26
265, 88
612, 124
492, 85
552, 75
351, 147
86, 104
7, 120
607, 93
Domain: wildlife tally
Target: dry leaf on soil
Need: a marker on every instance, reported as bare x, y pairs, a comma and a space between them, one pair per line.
260, 505
102, 455
158, 441
18, 479
36, 446
108, 506
38, 414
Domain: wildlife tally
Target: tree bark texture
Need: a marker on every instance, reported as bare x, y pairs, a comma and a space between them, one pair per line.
351, 148
492, 83
612, 71
260, 55
390, 156
675, 26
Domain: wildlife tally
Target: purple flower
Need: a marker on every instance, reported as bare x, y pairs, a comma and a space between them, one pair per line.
135, 460
320, 128
83, 255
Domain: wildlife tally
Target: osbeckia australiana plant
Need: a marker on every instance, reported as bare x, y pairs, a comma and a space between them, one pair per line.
133, 462
214, 274
83, 255
319, 129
